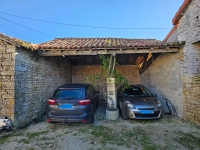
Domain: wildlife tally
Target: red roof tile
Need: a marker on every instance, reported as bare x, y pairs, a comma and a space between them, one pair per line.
109, 43
18, 42
89, 43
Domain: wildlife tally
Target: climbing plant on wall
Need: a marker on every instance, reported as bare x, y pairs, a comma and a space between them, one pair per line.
107, 70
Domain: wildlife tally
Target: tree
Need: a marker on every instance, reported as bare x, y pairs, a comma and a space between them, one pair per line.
107, 71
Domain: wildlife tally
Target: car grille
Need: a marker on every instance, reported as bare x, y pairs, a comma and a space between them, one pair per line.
147, 115
146, 108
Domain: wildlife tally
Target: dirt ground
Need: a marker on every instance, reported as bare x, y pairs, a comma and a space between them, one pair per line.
168, 133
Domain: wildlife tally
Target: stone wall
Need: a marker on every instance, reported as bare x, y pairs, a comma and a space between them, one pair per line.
7, 67
131, 73
189, 30
163, 78
36, 78
80, 73
173, 37
190, 68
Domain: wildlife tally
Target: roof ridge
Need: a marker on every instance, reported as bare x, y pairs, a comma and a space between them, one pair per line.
18, 42
106, 38
88, 43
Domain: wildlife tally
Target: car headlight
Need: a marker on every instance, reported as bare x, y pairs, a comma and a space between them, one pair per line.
129, 105
158, 103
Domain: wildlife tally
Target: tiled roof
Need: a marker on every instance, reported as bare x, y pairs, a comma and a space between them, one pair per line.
108, 43
17, 42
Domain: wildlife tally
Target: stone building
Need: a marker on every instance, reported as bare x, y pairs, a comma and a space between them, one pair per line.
29, 73
174, 75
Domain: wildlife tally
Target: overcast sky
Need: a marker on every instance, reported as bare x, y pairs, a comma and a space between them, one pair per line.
95, 13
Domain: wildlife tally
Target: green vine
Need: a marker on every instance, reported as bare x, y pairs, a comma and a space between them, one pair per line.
107, 70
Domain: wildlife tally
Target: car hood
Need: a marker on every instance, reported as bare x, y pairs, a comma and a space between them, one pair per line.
140, 102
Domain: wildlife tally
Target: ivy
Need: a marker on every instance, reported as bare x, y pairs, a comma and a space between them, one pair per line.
107, 70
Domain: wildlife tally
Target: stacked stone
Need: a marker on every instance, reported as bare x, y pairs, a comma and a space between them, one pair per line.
36, 78
163, 78
7, 67
80, 73
191, 90
188, 30
130, 72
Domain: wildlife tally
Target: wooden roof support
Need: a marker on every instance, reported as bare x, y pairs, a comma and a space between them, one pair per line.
58, 52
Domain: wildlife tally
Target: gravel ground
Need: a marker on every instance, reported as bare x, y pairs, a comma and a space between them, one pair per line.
170, 133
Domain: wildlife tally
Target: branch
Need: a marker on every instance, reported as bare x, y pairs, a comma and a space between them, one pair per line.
110, 63
114, 62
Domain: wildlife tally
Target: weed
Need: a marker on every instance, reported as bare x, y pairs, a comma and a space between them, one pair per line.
47, 143
30, 148
54, 127
149, 147
26, 141
128, 145
188, 140
83, 130
145, 121
4, 138
32, 135
129, 135
44, 138
75, 134
144, 139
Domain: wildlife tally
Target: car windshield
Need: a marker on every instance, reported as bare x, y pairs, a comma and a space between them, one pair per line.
137, 92
68, 93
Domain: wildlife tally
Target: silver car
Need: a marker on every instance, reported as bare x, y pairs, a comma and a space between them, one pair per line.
137, 102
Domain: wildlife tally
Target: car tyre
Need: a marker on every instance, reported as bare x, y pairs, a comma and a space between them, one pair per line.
120, 111
97, 106
124, 116
91, 121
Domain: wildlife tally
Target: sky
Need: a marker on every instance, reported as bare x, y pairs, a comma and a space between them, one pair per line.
111, 14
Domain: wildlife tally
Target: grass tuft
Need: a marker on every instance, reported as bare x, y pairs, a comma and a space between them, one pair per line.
188, 140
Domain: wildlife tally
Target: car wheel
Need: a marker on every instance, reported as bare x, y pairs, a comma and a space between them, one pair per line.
120, 111
97, 106
91, 121
124, 116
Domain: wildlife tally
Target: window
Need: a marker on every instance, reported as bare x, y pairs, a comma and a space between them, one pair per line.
137, 92
68, 93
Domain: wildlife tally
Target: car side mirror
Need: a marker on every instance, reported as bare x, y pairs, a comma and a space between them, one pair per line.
154, 95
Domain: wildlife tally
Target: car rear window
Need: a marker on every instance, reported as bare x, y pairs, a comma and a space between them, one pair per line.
136, 92
68, 93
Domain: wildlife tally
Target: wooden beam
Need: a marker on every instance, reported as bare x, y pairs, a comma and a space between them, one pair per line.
96, 52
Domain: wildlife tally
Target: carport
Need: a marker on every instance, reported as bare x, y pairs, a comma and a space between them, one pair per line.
133, 56
31, 72
85, 51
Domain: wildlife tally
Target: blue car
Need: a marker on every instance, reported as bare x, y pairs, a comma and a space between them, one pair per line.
73, 103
